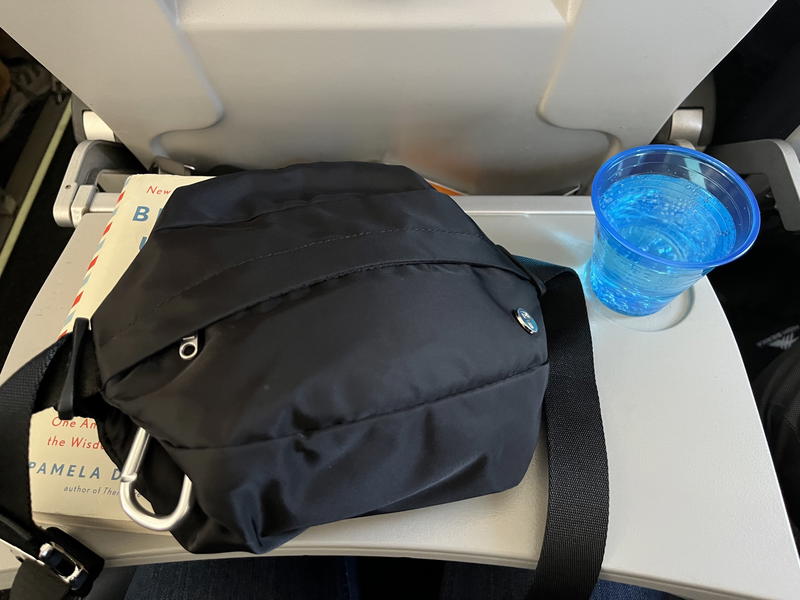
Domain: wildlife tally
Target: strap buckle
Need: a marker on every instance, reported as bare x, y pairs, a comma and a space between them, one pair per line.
65, 557
68, 568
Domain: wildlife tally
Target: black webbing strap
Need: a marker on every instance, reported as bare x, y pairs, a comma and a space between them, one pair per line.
577, 510
55, 566
18, 398
34, 582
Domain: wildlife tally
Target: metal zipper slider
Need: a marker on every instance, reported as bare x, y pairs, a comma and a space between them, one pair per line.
190, 346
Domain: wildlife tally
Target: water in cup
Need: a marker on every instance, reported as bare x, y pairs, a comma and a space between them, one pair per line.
666, 216
662, 216
669, 217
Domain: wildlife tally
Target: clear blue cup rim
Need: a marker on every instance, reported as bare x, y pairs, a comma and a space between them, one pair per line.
735, 253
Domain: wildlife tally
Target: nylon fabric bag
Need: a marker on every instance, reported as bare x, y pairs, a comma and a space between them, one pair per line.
358, 353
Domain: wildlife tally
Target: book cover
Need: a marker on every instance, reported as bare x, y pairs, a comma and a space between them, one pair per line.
71, 476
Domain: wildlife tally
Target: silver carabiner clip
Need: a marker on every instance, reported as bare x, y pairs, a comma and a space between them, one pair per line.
127, 494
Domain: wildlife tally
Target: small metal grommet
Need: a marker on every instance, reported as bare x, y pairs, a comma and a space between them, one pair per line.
190, 346
525, 319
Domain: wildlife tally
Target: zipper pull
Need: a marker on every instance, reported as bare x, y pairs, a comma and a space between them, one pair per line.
190, 346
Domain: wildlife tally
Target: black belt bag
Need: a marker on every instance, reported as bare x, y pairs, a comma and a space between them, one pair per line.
301, 346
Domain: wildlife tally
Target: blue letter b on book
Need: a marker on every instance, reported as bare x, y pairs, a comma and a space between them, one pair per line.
141, 213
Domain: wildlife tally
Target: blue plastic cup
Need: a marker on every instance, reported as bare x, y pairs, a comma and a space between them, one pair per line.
666, 216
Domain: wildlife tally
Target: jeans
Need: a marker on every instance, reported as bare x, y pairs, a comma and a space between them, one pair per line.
464, 581
300, 578
338, 578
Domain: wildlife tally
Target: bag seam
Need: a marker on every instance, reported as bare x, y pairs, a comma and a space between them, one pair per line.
260, 257
308, 284
326, 198
332, 426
